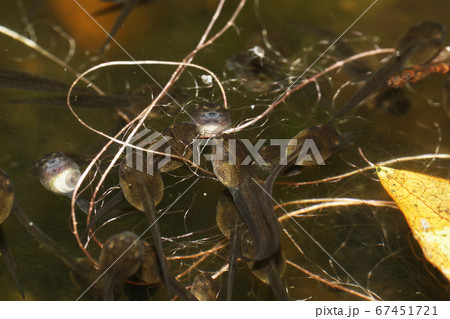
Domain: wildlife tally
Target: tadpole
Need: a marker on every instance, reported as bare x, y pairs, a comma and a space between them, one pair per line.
446, 97
204, 288
261, 237
419, 45
133, 102
60, 174
6, 196
127, 6
324, 137
13, 79
268, 270
149, 271
392, 101
256, 73
83, 273
179, 137
264, 229
210, 119
229, 153
6, 204
143, 188
120, 258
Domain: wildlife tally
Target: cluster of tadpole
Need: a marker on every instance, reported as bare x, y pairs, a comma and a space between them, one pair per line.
245, 213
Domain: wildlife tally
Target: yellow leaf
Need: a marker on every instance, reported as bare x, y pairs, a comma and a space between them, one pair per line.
425, 202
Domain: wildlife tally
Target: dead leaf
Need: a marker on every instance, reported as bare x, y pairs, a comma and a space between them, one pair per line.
425, 202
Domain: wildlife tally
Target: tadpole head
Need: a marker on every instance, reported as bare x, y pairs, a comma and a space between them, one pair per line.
180, 137
227, 215
253, 71
204, 288
149, 272
422, 42
258, 268
121, 255
324, 138
133, 175
58, 173
211, 119
227, 158
331, 137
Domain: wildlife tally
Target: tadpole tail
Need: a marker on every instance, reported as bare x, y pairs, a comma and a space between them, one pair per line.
105, 210
9, 261
110, 9
123, 14
17, 80
275, 282
150, 213
274, 279
83, 205
426, 37
108, 288
375, 81
263, 227
180, 291
232, 263
44, 240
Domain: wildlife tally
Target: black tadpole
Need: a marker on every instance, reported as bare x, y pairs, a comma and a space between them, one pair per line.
6, 204
144, 189
211, 119
260, 236
204, 288
150, 214
419, 45
263, 228
268, 270
12, 79
120, 258
230, 224
82, 269
126, 9
59, 174
9, 261
103, 212
324, 137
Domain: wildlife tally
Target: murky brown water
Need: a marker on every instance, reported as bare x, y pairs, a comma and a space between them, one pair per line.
373, 245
